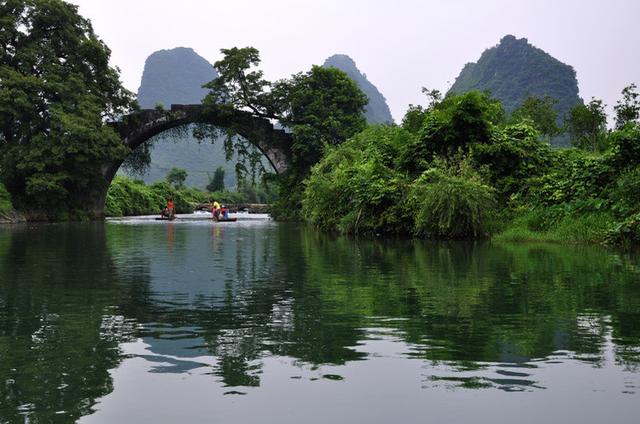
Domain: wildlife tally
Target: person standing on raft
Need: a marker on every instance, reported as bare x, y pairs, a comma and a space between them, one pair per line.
215, 210
171, 211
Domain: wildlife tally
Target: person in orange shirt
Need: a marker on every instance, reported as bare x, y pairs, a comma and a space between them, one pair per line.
171, 212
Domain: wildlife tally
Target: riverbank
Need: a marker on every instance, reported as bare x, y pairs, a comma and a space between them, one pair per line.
445, 179
128, 197
592, 227
8, 214
586, 229
11, 217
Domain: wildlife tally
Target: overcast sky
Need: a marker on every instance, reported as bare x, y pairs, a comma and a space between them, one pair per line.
400, 45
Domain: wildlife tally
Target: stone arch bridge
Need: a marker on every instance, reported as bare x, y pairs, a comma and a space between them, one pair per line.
137, 128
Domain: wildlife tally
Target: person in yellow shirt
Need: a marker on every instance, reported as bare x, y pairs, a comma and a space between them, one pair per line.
215, 209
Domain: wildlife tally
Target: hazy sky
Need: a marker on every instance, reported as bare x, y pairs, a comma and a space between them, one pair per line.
401, 45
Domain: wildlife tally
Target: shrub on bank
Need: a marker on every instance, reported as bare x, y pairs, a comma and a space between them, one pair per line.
362, 187
356, 187
5, 200
131, 197
449, 206
625, 233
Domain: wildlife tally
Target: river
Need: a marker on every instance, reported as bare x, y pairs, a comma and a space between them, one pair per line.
139, 321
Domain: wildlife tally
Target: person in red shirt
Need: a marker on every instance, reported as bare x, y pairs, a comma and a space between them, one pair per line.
170, 208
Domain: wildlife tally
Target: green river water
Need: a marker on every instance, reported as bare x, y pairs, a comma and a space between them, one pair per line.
138, 321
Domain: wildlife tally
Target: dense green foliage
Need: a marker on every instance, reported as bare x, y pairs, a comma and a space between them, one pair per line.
390, 179
458, 169
57, 91
628, 108
356, 188
514, 70
587, 126
452, 206
321, 108
540, 113
128, 197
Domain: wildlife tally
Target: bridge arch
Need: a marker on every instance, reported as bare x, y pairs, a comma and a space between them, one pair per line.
137, 128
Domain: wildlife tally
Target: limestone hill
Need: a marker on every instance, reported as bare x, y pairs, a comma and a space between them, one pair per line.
514, 69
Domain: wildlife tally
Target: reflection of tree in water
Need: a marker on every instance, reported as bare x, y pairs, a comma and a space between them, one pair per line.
264, 307
70, 296
478, 302
313, 298
59, 326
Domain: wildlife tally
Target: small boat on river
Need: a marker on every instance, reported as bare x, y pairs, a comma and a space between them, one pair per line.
226, 219
166, 218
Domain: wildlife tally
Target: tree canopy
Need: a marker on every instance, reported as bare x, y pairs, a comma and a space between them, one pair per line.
216, 183
587, 125
57, 91
320, 107
541, 112
628, 108
176, 177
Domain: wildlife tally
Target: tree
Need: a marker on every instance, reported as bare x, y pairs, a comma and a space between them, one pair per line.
541, 113
321, 107
587, 125
416, 114
57, 91
453, 126
239, 85
628, 109
216, 183
176, 177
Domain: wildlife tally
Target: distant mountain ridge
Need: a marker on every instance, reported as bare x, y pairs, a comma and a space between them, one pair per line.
174, 76
515, 69
377, 111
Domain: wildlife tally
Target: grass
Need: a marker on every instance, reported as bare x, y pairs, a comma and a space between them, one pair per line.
5, 200
585, 228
